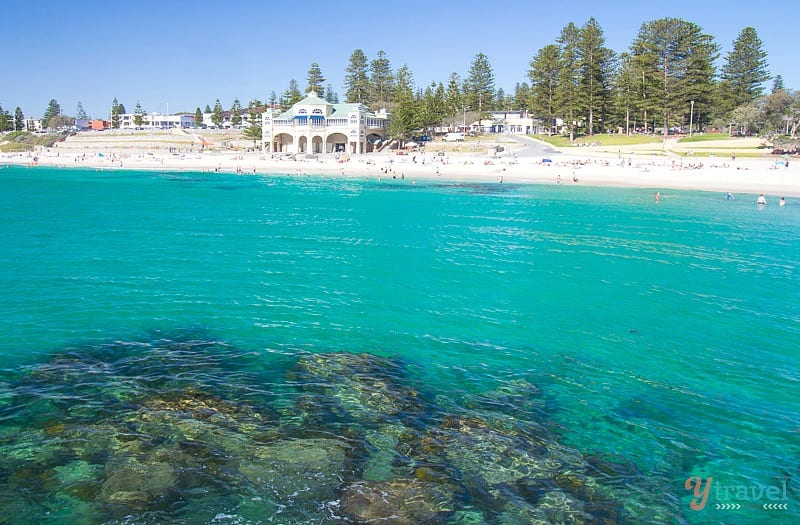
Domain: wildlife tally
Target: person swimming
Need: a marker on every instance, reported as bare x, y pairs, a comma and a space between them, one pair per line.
761, 201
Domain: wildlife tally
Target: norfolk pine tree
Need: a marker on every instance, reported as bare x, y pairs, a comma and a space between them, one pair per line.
236, 112
595, 62
116, 111
567, 92
19, 119
291, 95
315, 80
381, 81
745, 70
404, 115
545, 75
356, 81
676, 61
216, 114
254, 128
138, 115
479, 85
52, 111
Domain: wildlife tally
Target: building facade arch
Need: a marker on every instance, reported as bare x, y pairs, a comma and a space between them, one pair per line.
313, 125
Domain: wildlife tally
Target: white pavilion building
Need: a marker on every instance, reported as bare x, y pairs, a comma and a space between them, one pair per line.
313, 125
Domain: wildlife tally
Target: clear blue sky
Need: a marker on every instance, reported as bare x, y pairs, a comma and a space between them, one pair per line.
176, 55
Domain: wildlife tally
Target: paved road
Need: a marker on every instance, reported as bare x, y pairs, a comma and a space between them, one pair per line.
531, 147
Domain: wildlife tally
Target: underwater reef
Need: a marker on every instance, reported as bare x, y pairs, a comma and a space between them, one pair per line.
187, 429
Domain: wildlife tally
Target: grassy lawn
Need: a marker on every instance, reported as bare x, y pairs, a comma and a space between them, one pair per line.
17, 141
721, 154
599, 140
705, 137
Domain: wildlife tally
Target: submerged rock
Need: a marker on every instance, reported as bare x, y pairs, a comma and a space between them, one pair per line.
366, 387
138, 486
398, 502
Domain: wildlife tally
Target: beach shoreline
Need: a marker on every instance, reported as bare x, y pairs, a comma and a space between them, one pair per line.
713, 174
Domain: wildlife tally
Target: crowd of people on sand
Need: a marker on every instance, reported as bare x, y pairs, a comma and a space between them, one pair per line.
628, 170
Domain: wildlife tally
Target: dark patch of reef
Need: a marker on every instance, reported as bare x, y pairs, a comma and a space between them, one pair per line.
187, 429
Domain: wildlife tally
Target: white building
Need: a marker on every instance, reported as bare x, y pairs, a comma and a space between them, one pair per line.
156, 121
516, 122
227, 120
313, 125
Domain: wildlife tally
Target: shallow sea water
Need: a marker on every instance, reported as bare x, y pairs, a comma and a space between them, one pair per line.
211, 348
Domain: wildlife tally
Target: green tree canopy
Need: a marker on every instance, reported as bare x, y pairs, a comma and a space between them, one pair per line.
19, 119
116, 112
405, 113
291, 95
676, 62
479, 86
254, 128
545, 75
777, 84
315, 80
236, 112
745, 70
52, 111
138, 115
330, 95
433, 109
217, 115
381, 81
356, 80
454, 98
596, 68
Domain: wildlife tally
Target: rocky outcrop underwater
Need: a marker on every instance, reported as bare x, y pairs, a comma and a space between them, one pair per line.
189, 430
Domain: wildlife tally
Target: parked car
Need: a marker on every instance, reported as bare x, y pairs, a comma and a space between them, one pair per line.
421, 138
454, 137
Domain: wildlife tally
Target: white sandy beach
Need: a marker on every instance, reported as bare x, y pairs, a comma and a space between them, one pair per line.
471, 164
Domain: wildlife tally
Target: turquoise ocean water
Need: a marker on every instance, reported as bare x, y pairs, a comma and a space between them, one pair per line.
642, 343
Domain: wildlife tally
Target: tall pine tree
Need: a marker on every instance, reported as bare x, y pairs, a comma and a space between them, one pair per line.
357, 80
545, 75
381, 81
404, 115
676, 62
53, 110
567, 91
595, 61
236, 112
315, 80
745, 70
479, 85
217, 115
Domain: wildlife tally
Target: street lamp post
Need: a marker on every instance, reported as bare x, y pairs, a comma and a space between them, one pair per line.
691, 118
464, 124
